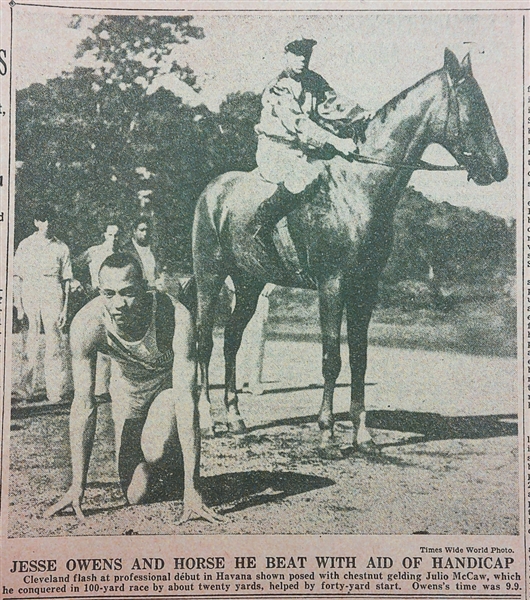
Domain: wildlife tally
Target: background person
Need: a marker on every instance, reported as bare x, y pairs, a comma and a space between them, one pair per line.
139, 245
42, 273
253, 344
92, 258
252, 351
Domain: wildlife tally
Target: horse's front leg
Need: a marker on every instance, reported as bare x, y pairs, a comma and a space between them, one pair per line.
359, 307
213, 413
246, 300
331, 306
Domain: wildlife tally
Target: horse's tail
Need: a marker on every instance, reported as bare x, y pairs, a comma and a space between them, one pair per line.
208, 265
210, 216
206, 245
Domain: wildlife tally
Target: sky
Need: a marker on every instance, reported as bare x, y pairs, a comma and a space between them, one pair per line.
369, 57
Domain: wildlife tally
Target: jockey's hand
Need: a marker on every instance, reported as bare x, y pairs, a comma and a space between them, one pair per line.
345, 146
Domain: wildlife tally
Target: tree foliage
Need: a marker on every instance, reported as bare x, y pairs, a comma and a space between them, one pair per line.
452, 244
134, 50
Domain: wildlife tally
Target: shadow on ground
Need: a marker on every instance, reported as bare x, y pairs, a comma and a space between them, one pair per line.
430, 426
433, 426
232, 492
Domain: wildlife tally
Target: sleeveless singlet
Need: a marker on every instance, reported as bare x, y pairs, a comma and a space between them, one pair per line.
140, 370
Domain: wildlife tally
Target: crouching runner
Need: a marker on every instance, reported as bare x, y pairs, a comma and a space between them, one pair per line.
151, 343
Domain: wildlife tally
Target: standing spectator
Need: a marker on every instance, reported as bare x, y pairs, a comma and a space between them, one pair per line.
253, 344
140, 247
42, 275
93, 257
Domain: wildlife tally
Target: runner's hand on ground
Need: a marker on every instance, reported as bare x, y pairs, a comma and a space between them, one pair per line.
194, 508
73, 498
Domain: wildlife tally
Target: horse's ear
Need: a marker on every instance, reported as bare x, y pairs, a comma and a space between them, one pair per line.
451, 64
466, 65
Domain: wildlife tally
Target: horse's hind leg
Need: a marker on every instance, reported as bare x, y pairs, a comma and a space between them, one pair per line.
331, 307
247, 294
208, 288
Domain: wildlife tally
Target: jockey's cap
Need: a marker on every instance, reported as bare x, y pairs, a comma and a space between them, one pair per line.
301, 47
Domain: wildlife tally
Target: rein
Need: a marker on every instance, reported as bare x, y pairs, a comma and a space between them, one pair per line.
421, 165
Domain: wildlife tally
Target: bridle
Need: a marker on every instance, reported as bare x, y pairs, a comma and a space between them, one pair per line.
452, 126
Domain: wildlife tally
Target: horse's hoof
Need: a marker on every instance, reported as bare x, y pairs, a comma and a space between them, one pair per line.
369, 447
207, 433
328, 449
327, 437
325, 424
220, 428
348, 451
237, 426
329, 452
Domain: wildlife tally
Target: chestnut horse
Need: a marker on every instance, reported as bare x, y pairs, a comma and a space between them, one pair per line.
342, 234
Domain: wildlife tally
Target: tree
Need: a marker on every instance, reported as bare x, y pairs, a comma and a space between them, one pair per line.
80, 142
452, 243
92, 141
133, 50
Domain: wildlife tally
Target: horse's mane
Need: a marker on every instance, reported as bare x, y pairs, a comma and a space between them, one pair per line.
356, 129
386, 109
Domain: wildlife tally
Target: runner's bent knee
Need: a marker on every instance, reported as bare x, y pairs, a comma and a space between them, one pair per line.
160, 427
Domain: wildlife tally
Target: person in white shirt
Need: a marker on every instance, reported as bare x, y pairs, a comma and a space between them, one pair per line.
42, 274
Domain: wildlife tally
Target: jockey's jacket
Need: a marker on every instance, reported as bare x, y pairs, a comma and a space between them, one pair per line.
292, 106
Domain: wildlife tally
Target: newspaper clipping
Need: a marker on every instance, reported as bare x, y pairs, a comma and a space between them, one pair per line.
265, 299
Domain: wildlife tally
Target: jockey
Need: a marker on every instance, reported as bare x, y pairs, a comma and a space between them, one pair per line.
299, 114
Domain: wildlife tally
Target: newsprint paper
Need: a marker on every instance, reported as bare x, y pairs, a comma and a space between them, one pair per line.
305, 181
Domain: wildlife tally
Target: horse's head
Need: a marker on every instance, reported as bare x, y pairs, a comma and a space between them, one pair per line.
469, 133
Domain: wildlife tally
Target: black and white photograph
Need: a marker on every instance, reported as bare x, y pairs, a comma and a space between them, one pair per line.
263, 273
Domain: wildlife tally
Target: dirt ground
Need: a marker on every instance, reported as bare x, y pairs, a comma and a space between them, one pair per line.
446, 425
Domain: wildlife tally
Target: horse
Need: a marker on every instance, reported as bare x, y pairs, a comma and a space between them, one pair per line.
342, 234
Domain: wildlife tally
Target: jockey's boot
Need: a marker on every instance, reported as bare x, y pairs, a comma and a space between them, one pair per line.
269, 212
